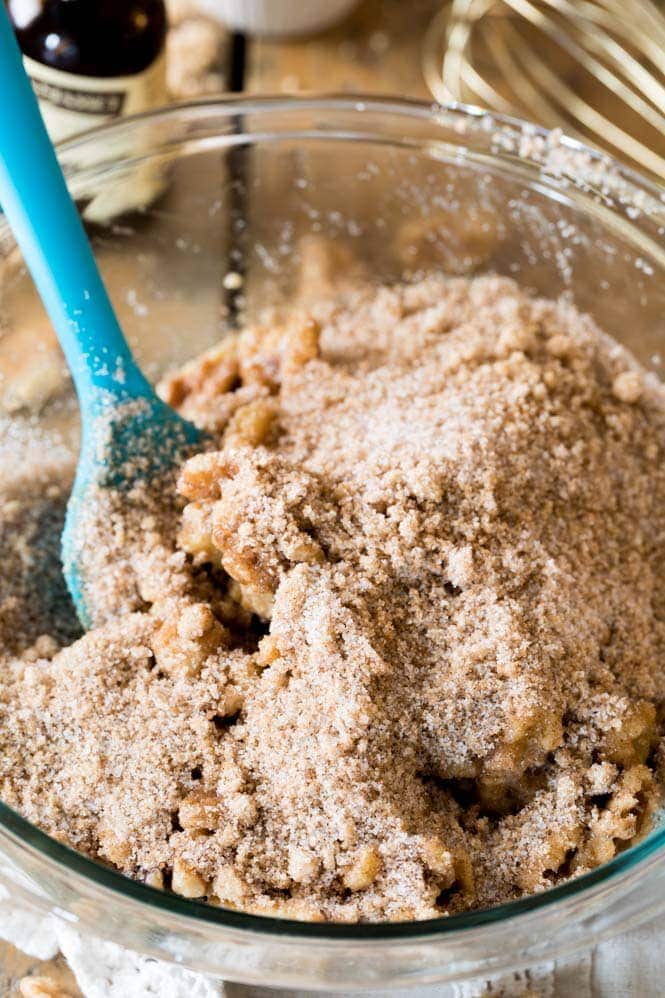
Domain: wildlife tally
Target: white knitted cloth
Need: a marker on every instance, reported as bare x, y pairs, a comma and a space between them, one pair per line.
632, 966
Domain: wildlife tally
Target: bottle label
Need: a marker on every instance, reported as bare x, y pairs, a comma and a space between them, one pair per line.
71, 103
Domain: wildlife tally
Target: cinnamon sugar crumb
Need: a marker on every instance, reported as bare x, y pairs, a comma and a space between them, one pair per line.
401, 654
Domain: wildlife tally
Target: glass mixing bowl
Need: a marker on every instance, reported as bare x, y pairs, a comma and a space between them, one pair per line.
201, 216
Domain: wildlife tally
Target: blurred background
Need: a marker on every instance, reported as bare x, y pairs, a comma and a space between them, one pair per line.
595, 68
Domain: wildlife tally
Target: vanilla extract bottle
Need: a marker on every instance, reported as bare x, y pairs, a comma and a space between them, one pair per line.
91, 60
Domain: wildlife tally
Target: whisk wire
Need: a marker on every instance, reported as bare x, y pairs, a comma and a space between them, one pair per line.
590, 117
596, 40
617, 44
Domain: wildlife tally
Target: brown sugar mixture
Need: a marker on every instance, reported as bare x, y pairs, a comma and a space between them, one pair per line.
400, 649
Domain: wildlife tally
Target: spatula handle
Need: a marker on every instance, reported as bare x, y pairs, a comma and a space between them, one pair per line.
49, 232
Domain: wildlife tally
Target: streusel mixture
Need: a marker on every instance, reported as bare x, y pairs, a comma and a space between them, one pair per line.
397, 649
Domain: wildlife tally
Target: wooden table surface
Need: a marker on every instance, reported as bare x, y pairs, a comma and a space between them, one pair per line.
375, 50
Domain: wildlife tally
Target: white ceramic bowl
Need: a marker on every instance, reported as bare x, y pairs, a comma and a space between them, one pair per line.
277, 17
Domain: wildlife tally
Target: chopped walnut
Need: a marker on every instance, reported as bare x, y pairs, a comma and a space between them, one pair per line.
187, 638
155, 879
228, 886
42, 987
302, 345
202, 475
303, 866
620, 820
627, 387
187, 882
214, 373
201, 812
268, 651
117, 850
439, 860
364, 869
251, 424
195, 535
631, 740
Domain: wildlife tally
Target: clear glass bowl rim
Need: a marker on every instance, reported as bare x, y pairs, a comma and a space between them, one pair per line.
31, 839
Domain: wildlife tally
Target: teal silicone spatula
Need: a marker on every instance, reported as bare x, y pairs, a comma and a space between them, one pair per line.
128, 433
